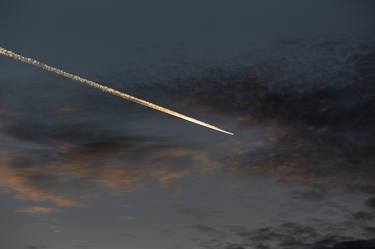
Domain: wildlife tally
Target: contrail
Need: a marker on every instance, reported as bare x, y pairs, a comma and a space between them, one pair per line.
106, 89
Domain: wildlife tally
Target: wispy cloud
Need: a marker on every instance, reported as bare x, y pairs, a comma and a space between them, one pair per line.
37, 210
125, 217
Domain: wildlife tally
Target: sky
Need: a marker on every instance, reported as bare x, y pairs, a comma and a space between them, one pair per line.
294, 80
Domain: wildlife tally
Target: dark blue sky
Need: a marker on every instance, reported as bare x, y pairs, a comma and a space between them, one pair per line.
294, 80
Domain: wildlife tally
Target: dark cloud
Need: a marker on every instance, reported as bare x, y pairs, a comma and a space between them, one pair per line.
81, 246
36, 247
287, 235
326, 121
198, 213
284, 236
262, 94
207, 230
370, 230
315, 194
354, 244
371, 203
363, 216
234, 246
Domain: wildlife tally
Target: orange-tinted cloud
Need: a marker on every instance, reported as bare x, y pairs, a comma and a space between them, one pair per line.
36, 210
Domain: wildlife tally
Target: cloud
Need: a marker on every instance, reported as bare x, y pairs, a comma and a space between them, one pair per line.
125, 217
198, 213
67, 183
22, 182
371, 202
36, 210
287, 235
362, 216
234, 246
81, 246
317, 133
59, 155
36, 247
354, 244
315, 194
172, 175
63, 162
320, 124
205, 229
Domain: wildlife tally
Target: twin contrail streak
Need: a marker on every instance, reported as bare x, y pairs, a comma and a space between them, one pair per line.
106, 89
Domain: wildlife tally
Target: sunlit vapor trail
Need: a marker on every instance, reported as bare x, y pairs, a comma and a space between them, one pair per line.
106, 89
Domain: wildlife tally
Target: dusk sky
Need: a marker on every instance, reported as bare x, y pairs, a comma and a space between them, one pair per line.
293, 79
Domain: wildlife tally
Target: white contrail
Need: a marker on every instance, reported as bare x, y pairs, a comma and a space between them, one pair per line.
106, 89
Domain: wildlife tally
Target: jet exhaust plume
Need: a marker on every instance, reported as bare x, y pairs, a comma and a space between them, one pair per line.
106, 89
